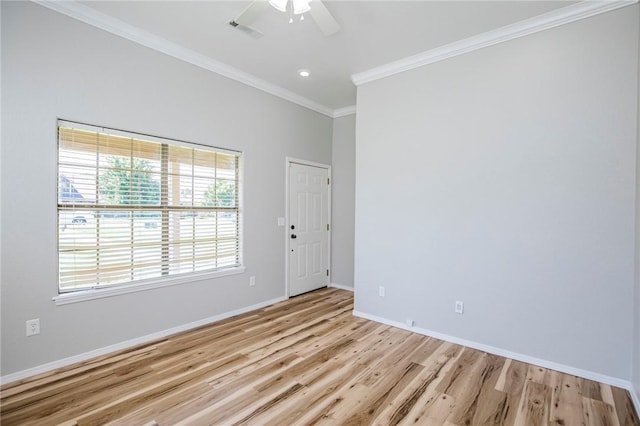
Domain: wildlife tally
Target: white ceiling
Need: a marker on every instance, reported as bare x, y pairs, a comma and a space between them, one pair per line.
373, 33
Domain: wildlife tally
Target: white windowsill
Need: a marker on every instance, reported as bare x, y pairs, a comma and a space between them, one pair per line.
92, 294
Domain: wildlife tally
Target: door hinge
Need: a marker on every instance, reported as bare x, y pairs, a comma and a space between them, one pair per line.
327, 226
327, 272
328, 181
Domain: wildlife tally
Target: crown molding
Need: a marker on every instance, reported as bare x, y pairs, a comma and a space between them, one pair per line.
565, 15
341, 112
117, 27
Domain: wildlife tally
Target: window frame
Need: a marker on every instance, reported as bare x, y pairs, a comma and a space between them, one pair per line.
164, 280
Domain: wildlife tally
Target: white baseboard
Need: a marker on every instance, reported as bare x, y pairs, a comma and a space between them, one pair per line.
341, 286
614, 381
625, 384
129, 343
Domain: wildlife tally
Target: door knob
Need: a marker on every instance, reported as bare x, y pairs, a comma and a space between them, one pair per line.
294, 236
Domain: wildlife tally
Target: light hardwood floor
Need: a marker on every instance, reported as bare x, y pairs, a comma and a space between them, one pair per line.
309, 361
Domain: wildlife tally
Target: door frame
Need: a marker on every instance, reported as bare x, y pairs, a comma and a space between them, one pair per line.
287, 220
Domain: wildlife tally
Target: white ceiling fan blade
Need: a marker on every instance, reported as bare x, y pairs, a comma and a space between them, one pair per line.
251, 13
323, 18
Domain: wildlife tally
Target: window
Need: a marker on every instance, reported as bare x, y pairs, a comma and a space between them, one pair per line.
133, 207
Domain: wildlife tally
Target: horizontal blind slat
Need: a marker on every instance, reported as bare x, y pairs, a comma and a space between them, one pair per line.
112, 201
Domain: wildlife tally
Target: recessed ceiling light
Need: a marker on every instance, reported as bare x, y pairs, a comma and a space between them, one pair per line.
304, 73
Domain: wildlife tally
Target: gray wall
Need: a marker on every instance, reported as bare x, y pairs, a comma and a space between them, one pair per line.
635, 363
54, 66
505, 178
343, 199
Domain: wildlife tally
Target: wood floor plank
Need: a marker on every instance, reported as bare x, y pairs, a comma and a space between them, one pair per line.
627, 415
313, 395
349, 397
537, 374
304, 361
468, 389
513, 377
232, 390
598, 413
420, 401
437, 409
566, 406
590, 389
382, 392
534, 405
492, 406
321, 382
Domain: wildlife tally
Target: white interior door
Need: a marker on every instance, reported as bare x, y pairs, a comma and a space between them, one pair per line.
308, 228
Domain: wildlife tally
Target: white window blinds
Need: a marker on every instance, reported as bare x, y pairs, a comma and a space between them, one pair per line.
133, 207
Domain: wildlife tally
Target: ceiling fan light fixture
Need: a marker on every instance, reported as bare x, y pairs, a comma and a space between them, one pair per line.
280, 5
300, 6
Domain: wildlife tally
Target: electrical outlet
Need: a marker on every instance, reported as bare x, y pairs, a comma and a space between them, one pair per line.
409, 322
33, 327
459, 307
252, 281
381, 291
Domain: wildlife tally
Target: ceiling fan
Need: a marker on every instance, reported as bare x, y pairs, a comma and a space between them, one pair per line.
318, 11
